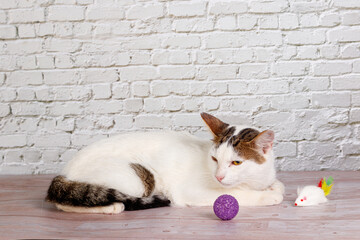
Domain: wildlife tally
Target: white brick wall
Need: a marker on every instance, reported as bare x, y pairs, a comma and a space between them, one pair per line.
73, 72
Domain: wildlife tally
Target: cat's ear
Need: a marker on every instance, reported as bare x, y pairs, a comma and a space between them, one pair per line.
215, 125
264, 140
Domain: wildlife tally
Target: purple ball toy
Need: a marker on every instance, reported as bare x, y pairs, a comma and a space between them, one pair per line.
226, 207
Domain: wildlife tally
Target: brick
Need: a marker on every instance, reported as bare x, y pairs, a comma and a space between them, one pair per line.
182, 42
309, 20
104, 106
24, 78
26, 31
137, 73
349, 82
120, 90
232, 56
27, 109
244, 104
26, 15
63, 29
62, 45
351, 18
192, 25
152, 121
330, 20
123, 122
354, 115
310, 84
290, 102
264, 39
101, 91
4, 110
7, 94
331, 99
187, 9
291, 68
142, 43
227, 8
7, 32
217, 88
226, 23
66, 124
217, 72
26, 62
2, 16
285, 149
211, 104
32, 156
188, 120
269, 87
305, 7
159, 89
313, 149
45, 62
153, 105
344, 35
347, 4
329, 52
96, 12
145, 12
238, 87
100, 76
66, 13
173, 104
352, 51
25, 94
247, 22
82, 140
61, 77
288, 21
24, 46
5, 4
141, 89
133, 105
306, 37
268, 22
177, 72
225, 40
249, 71
275, 6
65, 108
44, 29
52, 140
331, 68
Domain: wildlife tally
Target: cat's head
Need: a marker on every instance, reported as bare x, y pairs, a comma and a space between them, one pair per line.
240, 155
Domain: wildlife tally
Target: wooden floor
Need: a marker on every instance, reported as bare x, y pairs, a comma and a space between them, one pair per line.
25, 214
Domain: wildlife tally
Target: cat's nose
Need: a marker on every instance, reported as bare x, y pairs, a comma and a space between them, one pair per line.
219, 178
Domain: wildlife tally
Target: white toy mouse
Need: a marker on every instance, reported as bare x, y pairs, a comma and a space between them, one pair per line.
314, 195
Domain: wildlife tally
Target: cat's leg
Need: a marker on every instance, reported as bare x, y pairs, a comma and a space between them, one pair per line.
114, 208
277, 186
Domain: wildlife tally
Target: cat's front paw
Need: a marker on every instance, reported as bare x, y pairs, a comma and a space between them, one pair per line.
278, 187
271, 198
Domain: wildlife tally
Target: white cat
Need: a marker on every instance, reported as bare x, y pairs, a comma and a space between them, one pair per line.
146, 170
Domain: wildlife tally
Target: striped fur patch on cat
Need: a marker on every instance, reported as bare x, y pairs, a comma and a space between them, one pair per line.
72, 193
146, 177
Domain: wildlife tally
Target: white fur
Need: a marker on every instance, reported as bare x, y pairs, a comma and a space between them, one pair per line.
310, 195
182, 167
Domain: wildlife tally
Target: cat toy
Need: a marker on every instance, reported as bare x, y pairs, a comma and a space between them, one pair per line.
314, 195
226, 207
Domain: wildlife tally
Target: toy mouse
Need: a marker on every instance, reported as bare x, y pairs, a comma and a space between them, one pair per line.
314, 195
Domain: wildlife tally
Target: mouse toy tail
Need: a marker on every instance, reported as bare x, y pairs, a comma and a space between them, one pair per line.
326, 185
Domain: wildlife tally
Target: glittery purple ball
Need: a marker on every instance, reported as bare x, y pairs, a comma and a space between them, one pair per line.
226, 207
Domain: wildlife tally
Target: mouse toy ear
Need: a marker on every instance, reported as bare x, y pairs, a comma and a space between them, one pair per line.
215, 125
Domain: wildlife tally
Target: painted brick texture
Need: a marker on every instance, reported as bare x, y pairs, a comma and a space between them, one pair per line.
74, 72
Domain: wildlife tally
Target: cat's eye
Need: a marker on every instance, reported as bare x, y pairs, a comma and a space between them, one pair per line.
214, 158
236, 162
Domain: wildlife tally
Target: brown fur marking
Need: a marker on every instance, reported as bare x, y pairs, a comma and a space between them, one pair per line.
146, 177
248, 151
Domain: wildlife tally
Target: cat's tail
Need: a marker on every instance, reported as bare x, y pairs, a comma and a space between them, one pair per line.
72, 193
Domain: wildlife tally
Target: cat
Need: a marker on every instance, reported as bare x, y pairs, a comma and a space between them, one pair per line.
156, 169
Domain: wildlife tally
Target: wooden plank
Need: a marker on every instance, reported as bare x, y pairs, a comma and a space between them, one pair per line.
25, 214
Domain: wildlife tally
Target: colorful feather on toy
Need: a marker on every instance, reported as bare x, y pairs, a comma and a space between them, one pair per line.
326, 185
